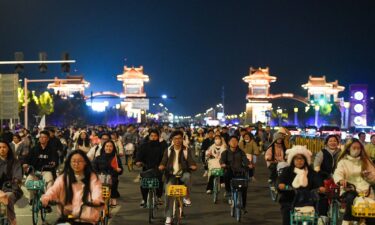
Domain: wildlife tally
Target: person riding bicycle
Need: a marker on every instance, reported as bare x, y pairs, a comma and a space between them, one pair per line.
236, 164
10, 179
351, 168
177, 161
77, 185
298, 175
370, 148
149, 157
213, 155
206, 144
42, 158
275, 154
95, 150
325, 163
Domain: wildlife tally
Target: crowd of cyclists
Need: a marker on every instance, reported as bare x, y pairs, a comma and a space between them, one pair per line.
71, 161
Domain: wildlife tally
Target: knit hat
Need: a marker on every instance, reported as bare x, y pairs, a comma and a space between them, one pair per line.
298, 150
278, 135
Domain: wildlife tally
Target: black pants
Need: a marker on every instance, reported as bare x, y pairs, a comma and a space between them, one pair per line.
210, 183
114, 188
159, 191
285, 213
273, 171
228, 176
323, 205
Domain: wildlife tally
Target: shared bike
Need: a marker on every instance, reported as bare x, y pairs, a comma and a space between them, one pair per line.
216, 173
152, 204
177, 192
239, 184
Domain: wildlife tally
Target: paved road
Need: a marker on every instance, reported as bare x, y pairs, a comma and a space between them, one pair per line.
261, 209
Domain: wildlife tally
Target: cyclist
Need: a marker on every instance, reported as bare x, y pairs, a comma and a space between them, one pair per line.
370, 148
250, 147
325, 164
42, 158
213, 155
275, 154
149, 156
177, 159
209, 141
351, 168
299, 175
10, 179
95, 150
234, 160
77, 185
108, 162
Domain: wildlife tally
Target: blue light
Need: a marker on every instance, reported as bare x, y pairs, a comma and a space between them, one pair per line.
164, 96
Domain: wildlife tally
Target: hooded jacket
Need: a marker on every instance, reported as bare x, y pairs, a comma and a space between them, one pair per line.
185, 160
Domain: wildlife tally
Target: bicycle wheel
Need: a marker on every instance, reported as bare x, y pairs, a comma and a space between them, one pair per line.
232, 207
334, 213
155, 205
150, 205
215, 190
238, 207
130, 163
43, 213
35, 210
273, 191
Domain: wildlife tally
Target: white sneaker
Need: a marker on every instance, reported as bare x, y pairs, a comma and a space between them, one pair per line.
208, 192
168, 221
230, 201
187, 201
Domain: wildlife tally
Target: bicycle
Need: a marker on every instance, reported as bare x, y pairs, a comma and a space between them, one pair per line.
216, 173
69, 219
177, 192
238, 184
151, 184
129, 154
333, 196
38, 187
106, 181
272, 184
4, 214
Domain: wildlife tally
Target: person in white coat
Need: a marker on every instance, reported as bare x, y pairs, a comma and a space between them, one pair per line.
351, 169
213, 155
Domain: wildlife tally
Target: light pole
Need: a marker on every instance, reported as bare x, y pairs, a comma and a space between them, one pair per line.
296, 116
317, 108
279, 114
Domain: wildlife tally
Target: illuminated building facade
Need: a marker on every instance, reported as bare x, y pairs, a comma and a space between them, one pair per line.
318, 90
259, 84
66, 88
358, 105
135, 102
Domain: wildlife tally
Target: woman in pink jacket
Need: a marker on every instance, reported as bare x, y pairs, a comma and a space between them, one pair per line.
76, 185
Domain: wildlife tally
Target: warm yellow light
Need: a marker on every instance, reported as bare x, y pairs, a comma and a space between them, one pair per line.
317, 108
347, 105
296, 110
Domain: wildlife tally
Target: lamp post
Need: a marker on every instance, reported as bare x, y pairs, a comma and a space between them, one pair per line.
346, 106
295, 116
279, 115
317, 108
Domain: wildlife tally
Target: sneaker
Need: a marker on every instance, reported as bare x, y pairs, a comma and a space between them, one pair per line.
168, 220
142, 204
187, 201
273, 189
205, 174
269, 181
230, 201
222, 185
208, 192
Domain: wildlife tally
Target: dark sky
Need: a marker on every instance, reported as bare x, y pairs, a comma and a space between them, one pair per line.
191, 49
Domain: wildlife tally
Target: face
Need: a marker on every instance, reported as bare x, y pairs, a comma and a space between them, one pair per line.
211, 134
3, 150
246, 138
104, 139
43, 139
362, 137
332, 143
177, 140
77, 163
108, 148
279, 141
233, 143
299, 161
83, 135
355, 148
373, 140
268, 129
218, 140
16, 139
154, 137
113, 136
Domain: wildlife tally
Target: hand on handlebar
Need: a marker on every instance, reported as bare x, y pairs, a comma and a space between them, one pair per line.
343, 183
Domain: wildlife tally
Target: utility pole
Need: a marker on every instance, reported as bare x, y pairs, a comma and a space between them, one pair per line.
223, 99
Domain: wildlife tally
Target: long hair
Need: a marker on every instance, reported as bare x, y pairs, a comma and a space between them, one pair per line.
102, 151
10, 159
69, 177
83, 142
363, 155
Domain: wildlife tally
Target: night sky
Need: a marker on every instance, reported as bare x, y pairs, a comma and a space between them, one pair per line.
191, 49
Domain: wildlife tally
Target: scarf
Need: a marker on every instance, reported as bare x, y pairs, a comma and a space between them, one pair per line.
301, 179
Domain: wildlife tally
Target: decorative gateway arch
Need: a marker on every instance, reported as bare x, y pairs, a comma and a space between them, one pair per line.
259, 96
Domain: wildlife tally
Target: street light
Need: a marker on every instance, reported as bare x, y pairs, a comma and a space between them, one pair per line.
164, 96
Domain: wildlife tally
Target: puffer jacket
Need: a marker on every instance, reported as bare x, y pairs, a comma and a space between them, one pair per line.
350, 169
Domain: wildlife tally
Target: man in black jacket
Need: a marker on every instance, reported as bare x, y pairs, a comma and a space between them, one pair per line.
149, 156
236, 164
55, 145
42, 158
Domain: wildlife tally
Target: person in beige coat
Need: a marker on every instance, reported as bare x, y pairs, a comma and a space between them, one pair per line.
351, 169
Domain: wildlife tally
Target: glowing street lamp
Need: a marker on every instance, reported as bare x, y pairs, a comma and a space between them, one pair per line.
164, 96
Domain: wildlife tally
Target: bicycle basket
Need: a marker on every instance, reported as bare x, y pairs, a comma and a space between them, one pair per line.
303, 214
3, 210
177, 190
106, 191
363, 207
105, 179
217, 172
35, 185
239, 183
149, 183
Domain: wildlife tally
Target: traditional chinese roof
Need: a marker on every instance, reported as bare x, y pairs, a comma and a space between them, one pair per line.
133, 73
259, 74
79, 80
321, 82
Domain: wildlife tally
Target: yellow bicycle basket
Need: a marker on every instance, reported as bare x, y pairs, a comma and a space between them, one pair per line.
177, 190
106, 192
